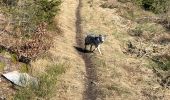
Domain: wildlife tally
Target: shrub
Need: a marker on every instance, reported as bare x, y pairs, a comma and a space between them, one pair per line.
47, 9
10, 2
28, 22
157, 6
27, 14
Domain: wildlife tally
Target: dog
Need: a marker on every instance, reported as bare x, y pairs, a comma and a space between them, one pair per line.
94, 40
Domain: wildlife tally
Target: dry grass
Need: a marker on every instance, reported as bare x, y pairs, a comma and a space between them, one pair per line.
71, 84
46, 85
121, 76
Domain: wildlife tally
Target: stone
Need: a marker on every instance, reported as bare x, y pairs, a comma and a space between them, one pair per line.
20, 79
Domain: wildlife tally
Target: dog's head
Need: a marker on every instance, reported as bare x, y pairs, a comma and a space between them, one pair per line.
102, 38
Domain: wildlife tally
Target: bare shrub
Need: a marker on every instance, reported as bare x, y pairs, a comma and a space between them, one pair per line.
25, 29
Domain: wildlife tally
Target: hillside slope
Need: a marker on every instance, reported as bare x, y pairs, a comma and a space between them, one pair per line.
126, 70
120, 75
113, 75
71, 84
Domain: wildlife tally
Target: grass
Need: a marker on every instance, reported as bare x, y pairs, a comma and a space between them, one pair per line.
14, 58
2, 65
24, 68
119, 90
120, 35
108, 5
137, 31
99, 62
165, 66
46, 85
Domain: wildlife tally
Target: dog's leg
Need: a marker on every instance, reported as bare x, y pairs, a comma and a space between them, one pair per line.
91, 47
99, 49
95, 48
85, 47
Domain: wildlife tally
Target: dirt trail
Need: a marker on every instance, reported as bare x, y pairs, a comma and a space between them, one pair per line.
91, 88
78, 82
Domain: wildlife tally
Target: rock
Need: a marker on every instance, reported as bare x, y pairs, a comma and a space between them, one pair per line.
2, 98
20, 79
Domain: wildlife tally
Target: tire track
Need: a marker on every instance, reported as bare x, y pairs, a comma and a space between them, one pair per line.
91, 88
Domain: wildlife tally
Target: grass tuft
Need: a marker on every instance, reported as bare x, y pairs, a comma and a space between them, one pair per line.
2, 65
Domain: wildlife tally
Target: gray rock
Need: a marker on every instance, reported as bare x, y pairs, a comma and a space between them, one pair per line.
20, 79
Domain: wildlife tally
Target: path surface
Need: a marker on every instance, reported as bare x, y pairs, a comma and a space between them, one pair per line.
91, 89
78, 82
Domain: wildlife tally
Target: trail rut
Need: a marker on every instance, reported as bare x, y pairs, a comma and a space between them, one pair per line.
91, 87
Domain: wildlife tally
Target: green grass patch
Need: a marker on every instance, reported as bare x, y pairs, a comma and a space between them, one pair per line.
161, 63
14, 58
46, 85
164, 65
24, 68
2, 65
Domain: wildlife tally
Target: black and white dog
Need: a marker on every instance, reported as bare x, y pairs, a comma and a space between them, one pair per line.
93, 40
